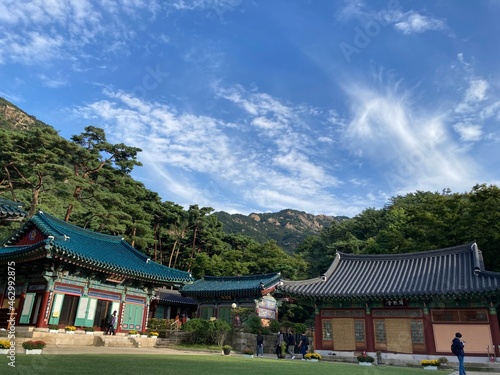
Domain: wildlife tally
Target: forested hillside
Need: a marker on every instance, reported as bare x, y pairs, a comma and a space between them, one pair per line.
86, 180
289, 228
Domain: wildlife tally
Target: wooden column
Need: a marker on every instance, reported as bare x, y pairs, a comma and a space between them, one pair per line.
370, 331
495, 329
430, 344
318, 329
42, 321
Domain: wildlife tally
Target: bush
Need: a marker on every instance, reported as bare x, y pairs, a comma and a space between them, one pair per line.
198, 330
29, 345
248, 351
253, 324
54, 327
157, 325
299, 328
274, 326
219, 331
88, 329
365, 358
443, 361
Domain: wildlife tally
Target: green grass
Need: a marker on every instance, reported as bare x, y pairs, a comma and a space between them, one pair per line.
186, 365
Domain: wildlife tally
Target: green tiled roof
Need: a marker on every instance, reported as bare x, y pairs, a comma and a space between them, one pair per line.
101, 252
233, 286
11, 211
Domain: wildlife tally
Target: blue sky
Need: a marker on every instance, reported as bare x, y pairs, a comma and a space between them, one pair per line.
328, 107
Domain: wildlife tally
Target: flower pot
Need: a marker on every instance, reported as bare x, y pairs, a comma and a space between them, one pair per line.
4, 351
33, 351
313, 360
226, 351
133, 335
248, 355
144, 335
89, 332
430, 367
53, 331
365, 363
70, 332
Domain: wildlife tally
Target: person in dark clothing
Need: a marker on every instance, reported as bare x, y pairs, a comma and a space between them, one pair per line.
111, 324
279, 341
303, 343
291, 344
457, 346
260, 345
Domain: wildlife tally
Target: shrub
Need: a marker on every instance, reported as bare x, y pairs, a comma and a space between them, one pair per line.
429, 362
365, 358
443, 361
227, 347
143, 333
5, 344
299, 328
312, 356
219, 331
88, 329
253, 324
198, 330
248, 351
54, 327
274, 326
34, 345
157, 325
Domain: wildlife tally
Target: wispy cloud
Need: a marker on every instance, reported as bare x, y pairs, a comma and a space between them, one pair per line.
414, 22
269, 160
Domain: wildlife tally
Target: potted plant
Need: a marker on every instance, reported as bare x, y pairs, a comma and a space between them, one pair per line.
248, 352
313, 357
70, 330
133, 333
89, 330
227, 349
153, 334
430, 364
53, 328
379, 358
365, 359
143, 334
33, 347
5, 345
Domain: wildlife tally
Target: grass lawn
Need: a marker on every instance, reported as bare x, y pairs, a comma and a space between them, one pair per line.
186, 365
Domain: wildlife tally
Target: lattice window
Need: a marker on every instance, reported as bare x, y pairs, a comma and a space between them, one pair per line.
327, 330
380, 331
359, 330
417, 332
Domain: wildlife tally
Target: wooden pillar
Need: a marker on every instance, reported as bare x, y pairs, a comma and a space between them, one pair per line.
42, 320
430, 344
495, 329
318, 329
370, 331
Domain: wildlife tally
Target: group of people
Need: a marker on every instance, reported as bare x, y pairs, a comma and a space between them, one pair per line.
289, 340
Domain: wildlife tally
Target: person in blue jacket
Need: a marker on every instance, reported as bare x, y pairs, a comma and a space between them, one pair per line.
303, 344
457, 347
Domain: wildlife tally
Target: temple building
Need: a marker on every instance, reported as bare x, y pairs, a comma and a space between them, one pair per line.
11, 211
218, 295
405, 303
58, 273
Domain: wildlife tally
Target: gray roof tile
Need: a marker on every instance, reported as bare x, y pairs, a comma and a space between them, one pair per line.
452, 271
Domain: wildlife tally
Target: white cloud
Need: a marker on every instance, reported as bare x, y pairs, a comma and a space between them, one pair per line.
413, 22
412, 151
469, 133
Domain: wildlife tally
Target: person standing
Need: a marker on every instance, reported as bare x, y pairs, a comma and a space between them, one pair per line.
291, 344
112, 324
279, 341
260, 345
457, 347
303, 344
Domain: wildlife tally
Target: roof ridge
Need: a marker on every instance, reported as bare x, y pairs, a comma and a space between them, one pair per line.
53, 221
418, 254
246, 277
